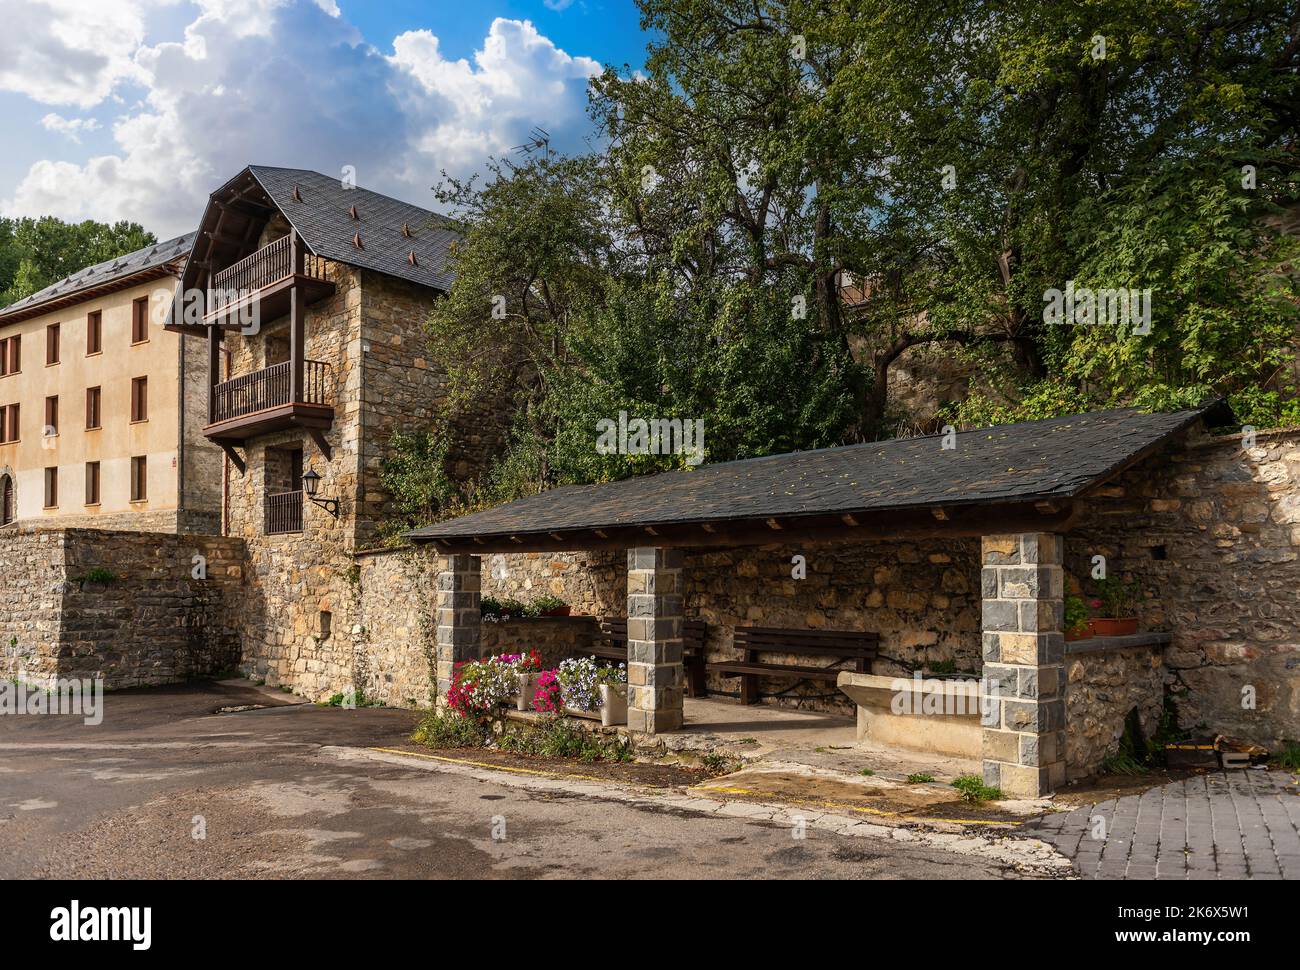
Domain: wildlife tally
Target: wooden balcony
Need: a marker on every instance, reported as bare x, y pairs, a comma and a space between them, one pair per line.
263, 282
283, 513
264, 401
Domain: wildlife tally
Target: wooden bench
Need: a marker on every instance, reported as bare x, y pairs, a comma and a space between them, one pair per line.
843, 647
611, 644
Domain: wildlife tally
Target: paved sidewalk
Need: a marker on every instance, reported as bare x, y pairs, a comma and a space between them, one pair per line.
1225, 825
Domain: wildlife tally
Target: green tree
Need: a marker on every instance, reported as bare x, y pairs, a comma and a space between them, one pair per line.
954, 163
35, 253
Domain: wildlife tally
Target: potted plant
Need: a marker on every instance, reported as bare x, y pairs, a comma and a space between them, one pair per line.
525, 667
548, 605
479, 687
1116, 606
1078, 626
546, 698
591, 690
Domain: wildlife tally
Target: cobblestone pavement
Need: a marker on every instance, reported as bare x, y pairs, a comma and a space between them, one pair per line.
1226, 825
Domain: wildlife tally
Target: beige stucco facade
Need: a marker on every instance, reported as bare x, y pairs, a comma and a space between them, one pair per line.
167, 438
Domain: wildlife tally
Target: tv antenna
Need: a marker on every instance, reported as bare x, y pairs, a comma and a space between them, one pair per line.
539, 140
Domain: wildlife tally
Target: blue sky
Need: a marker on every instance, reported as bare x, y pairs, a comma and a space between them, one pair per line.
136, 109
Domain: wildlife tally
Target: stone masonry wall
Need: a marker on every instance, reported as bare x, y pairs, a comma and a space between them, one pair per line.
199, 469
555, 638
293, 580
1211, 532
32, 577
1102, 687
154, 622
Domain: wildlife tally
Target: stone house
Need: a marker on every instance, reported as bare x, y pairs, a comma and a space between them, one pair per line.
311, 295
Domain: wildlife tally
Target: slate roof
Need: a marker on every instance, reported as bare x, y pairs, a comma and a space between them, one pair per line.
1033, 461
323, 219
108, 273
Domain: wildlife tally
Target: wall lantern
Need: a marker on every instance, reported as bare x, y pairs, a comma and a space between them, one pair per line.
310, 483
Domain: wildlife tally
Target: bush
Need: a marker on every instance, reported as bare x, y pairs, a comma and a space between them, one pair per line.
441, 729
973, 789
558, 738
920, 778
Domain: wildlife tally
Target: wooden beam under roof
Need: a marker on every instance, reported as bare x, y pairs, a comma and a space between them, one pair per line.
962, 522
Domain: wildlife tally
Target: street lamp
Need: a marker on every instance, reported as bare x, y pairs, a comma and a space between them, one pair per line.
310, 483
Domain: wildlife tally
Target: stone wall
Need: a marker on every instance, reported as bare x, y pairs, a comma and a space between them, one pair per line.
295, 580
555, 638
1102, 687
154, 622
393, 602
404, 388
199, 489
1212, 534
922, 598
32, 577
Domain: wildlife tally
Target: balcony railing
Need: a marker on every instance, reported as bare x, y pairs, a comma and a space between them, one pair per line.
284, 513
271, 387
269, 265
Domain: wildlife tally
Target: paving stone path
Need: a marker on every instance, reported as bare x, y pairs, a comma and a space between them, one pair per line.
1225, 825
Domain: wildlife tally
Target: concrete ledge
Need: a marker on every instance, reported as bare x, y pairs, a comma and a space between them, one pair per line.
1105, 644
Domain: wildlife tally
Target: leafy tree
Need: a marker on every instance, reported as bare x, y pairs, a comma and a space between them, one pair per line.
951, 163
35, 253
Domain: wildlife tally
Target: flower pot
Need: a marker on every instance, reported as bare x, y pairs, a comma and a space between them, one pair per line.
558, 611
1081, 633
1104, 626
613, 704
612, 709
527, 688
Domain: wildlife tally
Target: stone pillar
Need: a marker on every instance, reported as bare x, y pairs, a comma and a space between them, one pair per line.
459, 589
654, 639
1024, 663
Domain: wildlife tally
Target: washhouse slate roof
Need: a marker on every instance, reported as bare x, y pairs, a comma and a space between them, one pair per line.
323, 219
1030, 462
147, 263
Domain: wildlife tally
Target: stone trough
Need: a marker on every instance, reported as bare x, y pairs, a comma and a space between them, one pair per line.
924, 714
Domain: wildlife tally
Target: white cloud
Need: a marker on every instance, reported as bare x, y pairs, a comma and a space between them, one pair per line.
69, 51
68, 127
467, 112
559, 6
291, 82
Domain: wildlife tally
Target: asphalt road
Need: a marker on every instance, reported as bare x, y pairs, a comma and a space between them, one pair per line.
167, 788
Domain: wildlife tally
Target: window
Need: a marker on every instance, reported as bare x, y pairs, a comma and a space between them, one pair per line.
140, 320
139, 479
8, 424
140, 399
326, 624
92, 408
92, 483
52, 344
7, 510
51, 488
51, 416
11, 357
94, 332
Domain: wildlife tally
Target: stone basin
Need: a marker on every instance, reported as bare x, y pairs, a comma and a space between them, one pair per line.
929, 714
